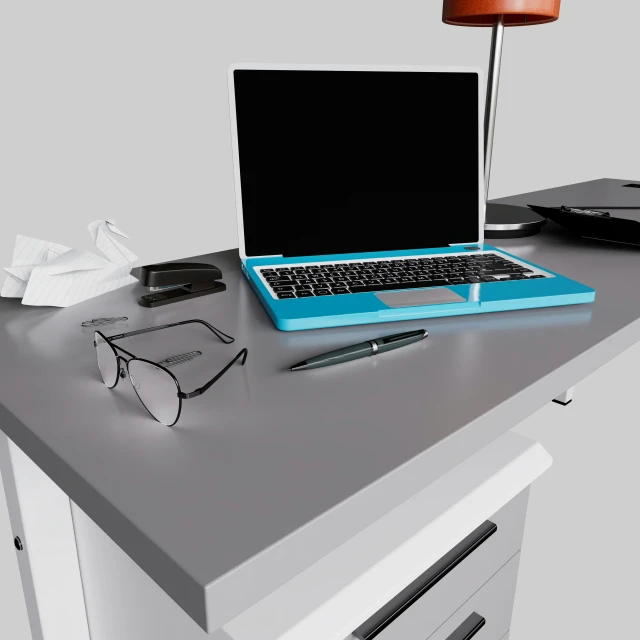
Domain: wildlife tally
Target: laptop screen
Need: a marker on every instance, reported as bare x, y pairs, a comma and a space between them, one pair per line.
357, 161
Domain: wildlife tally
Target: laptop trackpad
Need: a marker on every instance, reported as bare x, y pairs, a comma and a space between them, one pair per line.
419, 297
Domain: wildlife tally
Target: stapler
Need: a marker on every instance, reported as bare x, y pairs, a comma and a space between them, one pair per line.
176, 281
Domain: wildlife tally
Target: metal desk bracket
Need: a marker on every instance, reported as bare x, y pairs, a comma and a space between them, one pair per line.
565, 398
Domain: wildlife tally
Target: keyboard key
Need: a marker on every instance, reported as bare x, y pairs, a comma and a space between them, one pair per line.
326, 280
283, 270
536, 277
368, 288
322, 292
422, 284
495, 272
303, 287
340, 279
284, 288
436, 282
267, 272
286, 294
282, 280
305, 294
272, 278
339, 290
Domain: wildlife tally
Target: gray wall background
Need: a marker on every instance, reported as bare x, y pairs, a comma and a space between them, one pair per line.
120, 110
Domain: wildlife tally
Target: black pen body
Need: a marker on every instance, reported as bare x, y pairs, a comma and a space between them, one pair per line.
346, 354
362, 350
397, 341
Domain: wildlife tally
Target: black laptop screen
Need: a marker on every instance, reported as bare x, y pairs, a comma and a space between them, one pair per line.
357, 161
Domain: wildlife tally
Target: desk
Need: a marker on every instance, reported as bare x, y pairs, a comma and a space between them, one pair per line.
270, 476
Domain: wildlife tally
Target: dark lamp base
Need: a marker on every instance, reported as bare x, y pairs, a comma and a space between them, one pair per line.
509, 221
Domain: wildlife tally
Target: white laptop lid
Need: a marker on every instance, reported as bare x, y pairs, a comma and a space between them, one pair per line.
285, 108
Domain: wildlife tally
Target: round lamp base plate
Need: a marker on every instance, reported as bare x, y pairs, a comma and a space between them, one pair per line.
510, 221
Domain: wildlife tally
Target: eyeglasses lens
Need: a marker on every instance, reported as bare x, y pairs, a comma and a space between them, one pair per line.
107, 361
157, 391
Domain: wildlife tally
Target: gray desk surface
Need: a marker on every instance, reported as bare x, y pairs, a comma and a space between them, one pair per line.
271, 470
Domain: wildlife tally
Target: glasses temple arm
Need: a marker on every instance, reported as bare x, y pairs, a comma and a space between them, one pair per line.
201, 390
219, 334
138, 332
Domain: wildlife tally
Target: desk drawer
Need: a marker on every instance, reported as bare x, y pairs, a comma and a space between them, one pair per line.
487, 614
417, 611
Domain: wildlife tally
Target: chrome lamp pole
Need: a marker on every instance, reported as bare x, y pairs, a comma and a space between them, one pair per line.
502, 221
493, 82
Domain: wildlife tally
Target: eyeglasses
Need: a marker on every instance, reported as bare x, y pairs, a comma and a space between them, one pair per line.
156, 387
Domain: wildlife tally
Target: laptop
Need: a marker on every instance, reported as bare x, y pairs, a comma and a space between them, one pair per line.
360, 198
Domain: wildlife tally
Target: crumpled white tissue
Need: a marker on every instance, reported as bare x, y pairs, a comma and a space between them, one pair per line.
48, 274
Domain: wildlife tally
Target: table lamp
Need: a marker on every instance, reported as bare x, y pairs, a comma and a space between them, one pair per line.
502, 221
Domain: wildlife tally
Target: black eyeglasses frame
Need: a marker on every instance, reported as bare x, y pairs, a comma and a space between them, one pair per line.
226, 339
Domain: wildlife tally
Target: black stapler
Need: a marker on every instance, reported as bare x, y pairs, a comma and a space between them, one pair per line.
175, 281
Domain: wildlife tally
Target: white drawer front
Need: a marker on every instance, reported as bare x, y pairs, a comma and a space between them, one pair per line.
423, 606
492, 606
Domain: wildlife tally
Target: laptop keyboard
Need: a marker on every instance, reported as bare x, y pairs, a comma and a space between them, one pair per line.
330, 279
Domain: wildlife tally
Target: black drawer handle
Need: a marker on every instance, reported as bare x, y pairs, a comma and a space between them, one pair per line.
468, 628
379, 621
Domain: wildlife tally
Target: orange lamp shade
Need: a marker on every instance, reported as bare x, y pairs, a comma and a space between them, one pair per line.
482, 13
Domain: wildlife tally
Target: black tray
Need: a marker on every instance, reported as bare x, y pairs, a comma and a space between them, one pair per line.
605, 228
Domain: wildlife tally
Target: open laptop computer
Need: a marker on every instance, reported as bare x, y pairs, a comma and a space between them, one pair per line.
360, 197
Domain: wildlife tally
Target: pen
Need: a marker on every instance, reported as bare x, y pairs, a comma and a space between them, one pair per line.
586, 212
608, 207
362, 350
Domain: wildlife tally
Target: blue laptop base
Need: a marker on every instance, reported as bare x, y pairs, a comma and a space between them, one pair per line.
366, 308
